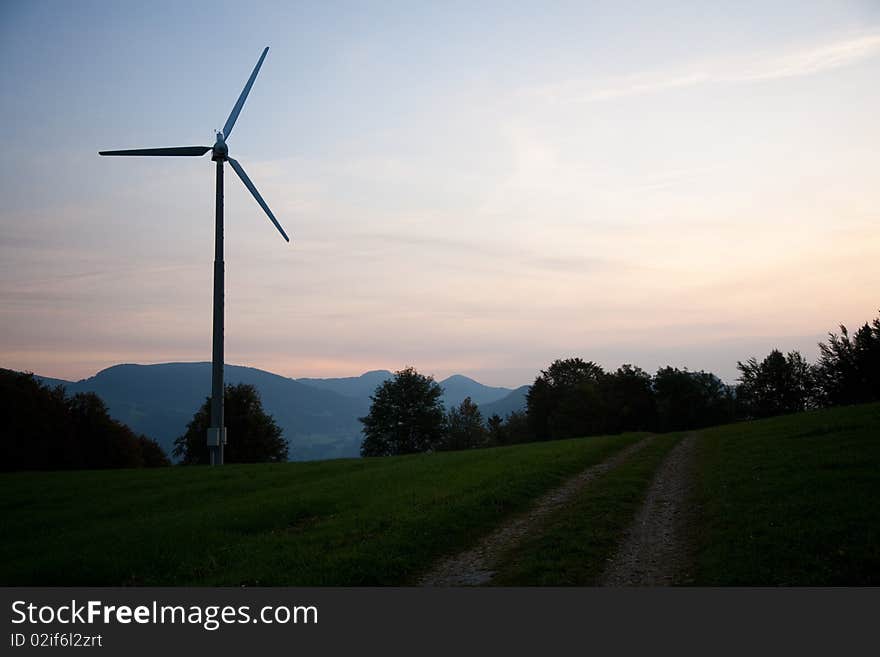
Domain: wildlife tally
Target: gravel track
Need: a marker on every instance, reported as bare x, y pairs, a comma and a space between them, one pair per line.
655, 550
475, 566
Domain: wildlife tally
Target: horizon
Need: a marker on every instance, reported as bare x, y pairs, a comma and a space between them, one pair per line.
806, 345
646, 183
437, 377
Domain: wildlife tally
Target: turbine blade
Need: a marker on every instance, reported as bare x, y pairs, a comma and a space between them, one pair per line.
227, 129
247, 183
191, 151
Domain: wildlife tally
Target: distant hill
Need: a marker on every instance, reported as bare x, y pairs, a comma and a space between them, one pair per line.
352, 386
159, 400
52, 383
457, 387
515, 401
319, 416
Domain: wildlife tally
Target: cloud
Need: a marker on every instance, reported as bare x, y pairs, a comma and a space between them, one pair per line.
798, 62
810, 61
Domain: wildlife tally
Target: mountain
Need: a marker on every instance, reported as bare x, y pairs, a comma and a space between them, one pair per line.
159, 400
457, 387
515, 401
318, 416
52, 383
353, 386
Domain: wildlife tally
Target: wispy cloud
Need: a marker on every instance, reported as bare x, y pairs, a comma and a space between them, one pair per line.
793, 63
810, 61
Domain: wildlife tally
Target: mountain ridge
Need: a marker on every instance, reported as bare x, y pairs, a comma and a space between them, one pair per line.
318, 416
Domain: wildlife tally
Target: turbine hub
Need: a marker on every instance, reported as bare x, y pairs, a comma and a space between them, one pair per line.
221, 150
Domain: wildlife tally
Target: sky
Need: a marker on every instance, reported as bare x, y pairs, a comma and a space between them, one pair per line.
470, 187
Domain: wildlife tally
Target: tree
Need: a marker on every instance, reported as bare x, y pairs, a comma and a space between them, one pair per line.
541, 401
691, 400
151, 453
101, 441
44, 429
516, 429
564, 400
253, 435
848, 371
511, 430
581, 410
464, 427
495, 425
777, 385
406, 416
631, 402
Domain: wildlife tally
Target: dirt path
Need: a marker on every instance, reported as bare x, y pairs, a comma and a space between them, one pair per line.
475, 566
654, 551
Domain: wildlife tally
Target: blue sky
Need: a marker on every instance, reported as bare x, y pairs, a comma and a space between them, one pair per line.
470, 187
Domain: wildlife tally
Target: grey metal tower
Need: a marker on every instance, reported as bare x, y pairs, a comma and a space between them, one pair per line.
219, 154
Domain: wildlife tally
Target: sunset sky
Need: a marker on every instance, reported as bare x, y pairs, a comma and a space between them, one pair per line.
470, 187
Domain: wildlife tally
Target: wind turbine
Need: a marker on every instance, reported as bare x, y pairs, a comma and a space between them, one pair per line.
219, 154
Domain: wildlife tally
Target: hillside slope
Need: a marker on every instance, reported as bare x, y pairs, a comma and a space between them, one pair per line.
457, 387
515, 401
358, 387
345, 522
789, 500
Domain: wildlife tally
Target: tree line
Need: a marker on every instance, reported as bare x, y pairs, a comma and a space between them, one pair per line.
44, 429
574, 398
847, 372
407, 416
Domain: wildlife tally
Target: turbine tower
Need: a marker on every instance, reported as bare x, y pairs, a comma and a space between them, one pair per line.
219, 154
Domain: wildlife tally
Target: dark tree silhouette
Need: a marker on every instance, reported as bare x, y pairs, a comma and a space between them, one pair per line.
691, 400
43, 429
406, 416
778, 384
516, 429
101, 441
630, 399
564, 400
253, 436
151, 453
582, 409
495, 428
464, 427
541, 401
848, 371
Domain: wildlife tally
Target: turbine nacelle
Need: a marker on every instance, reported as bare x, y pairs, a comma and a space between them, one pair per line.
220, 150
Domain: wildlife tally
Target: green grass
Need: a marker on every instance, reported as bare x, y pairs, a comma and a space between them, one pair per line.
787, 501
345, 522
573, 546
791, 500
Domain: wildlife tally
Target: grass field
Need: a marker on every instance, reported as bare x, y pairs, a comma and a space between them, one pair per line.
346, 522
787, 501
791, 500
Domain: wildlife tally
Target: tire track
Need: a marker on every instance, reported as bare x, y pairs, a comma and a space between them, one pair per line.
475, 566
655, 549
